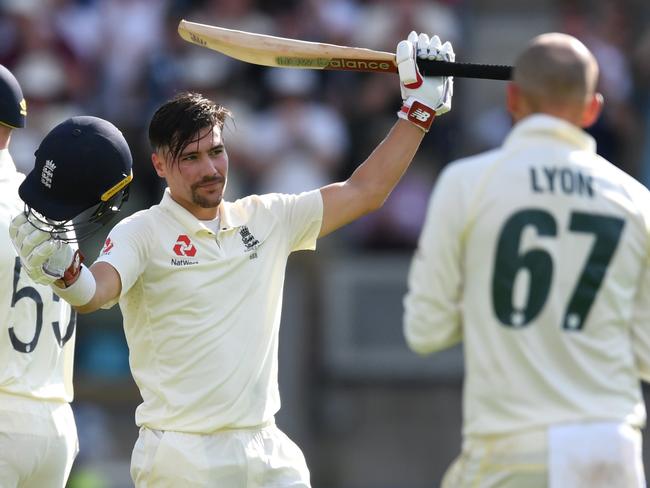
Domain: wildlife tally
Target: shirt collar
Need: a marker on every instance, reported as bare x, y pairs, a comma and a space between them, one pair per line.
230, 216
544, 125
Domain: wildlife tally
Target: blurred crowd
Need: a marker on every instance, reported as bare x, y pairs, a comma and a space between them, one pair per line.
295, 130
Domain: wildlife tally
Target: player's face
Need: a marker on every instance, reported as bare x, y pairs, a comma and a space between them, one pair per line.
197, 180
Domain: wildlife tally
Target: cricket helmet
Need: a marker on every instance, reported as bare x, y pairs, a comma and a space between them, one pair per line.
80, 179
13, 108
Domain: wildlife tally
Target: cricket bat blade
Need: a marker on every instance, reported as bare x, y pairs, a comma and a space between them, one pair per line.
281, 52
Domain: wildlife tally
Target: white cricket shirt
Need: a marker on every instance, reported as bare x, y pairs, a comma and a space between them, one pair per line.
37, 328
202, 310
508, 237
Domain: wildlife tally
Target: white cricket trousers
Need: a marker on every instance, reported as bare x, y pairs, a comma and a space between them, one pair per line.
582, 455
38, 442
261, 457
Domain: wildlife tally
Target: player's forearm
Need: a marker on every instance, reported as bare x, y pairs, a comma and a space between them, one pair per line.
95, 287
382, 170
94, 304
77, 289
108, 287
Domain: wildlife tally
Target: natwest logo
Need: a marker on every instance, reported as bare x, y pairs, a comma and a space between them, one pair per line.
184, 246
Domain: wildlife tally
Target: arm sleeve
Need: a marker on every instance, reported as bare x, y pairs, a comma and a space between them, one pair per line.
301, 216
432, 319
127, 249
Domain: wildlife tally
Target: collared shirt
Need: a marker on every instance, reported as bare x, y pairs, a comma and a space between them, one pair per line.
202, 309
37, 329
535, 255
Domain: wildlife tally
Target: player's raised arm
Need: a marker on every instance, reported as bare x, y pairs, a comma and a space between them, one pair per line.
424, 98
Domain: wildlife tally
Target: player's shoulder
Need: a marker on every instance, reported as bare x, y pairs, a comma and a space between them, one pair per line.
10, 203
10, 206
470, 167
269, 201
271, 209
248, 209
249, 203
142, 221
614, 178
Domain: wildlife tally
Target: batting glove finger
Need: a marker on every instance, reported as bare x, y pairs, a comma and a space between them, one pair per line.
37, 275
34, 263
15, 224
21, 230
413, 38
60, 260
422, 45
41, 253
428, 47
406, 67
447, 52
28, 238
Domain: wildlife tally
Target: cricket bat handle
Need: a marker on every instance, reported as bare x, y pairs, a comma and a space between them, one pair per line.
464, 70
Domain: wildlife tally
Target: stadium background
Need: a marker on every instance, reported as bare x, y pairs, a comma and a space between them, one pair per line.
367, 413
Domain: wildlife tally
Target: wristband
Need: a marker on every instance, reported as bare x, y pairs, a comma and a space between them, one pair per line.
71, 274
417, 113
81, 291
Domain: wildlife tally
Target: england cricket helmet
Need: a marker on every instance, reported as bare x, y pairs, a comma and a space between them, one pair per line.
13, 108
80, 178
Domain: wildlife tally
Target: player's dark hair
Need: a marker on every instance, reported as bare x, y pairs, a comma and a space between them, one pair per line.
180, 122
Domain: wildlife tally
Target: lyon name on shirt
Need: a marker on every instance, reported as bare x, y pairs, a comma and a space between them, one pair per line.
561, 180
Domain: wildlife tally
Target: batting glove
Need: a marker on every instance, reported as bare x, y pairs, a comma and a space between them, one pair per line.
424, 98
45, 258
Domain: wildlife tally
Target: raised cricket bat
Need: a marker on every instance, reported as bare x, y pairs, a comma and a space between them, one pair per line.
281, 52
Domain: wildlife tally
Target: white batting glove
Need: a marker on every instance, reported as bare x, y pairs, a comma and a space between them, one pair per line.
45, 259
424, 97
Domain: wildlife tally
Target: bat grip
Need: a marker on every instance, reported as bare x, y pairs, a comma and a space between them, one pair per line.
464, 70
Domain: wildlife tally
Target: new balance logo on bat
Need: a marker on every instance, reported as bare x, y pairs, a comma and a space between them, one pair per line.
421, 115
